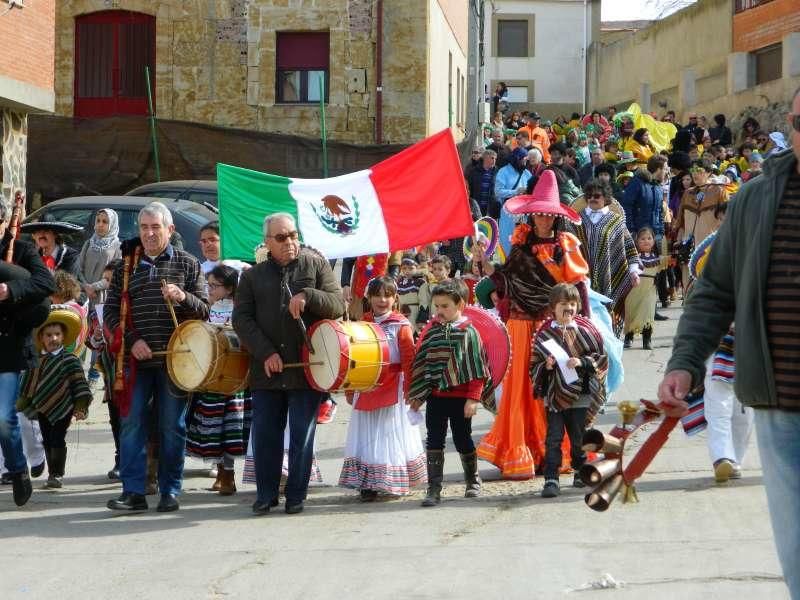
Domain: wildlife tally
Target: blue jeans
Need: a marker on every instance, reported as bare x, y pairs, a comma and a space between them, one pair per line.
10, 439
778, 433
270, 411
171, 404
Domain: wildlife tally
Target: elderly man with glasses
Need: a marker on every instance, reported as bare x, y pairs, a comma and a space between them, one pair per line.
276, 300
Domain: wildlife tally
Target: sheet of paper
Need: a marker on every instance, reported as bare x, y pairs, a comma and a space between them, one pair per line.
570, 374
98, 308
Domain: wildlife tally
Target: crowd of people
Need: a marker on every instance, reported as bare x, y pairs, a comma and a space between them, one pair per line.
604, 226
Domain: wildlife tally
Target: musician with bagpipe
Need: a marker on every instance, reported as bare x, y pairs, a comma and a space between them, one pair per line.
140, 319
25, 284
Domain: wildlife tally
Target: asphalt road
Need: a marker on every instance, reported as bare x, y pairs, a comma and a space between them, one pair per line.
686, 538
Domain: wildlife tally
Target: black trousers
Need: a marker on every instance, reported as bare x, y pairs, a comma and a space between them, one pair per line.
54, 434
438, 413
113, 419
574, 421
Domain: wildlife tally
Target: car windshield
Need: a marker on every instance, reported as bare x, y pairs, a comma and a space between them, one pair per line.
196, 213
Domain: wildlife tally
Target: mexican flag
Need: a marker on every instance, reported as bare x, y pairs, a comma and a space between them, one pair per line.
415, 197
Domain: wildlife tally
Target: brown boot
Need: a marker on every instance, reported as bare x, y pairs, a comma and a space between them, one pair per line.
227, 486
215, 487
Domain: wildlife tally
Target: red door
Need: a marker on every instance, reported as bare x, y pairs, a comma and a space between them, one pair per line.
112, 49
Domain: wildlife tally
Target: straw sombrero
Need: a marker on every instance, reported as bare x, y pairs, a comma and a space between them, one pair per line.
68, 317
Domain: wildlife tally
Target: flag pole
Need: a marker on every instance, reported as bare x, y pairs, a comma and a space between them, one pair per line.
152, 119
323, 128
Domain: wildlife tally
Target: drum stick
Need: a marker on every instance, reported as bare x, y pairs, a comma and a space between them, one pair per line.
168, 352
302, 364
300, 322
172, 312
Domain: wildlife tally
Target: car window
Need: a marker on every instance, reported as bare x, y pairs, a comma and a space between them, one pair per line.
128, 224
202, 197
77, 216
160, 193
197, 213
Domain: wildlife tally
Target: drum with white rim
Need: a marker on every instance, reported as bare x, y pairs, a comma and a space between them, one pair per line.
349, 356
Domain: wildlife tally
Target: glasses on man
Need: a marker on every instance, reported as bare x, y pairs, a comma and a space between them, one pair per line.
282, 237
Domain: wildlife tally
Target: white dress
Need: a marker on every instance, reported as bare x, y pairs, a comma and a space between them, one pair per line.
384, 451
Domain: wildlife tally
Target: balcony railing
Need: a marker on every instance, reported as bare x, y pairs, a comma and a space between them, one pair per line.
743, 5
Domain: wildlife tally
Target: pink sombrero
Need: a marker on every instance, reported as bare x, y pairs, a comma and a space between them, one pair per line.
543, 201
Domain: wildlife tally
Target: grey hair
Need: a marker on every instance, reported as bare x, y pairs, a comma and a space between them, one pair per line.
489, 153
497, 130
157, 209
535, 152
278, 216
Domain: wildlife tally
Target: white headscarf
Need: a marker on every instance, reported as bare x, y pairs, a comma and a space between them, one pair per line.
104, 243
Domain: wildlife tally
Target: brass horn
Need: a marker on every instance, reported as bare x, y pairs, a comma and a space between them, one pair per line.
595, 440
594, 472
603, 495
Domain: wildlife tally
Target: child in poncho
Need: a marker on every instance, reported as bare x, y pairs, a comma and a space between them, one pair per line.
56, 390
450, 372
568, 370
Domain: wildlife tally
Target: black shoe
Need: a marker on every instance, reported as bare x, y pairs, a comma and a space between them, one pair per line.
22, 487
113, 474
369, 495
6, 478
577, 482
628, 340
37, 470
168, 503
128, 501
660, 317
550, 489
262, 508
647, 336
294, 509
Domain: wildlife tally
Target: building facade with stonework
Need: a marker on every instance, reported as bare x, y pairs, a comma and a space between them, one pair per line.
26, 82
393, 71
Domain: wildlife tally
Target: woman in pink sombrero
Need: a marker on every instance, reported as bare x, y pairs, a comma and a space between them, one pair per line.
542, 255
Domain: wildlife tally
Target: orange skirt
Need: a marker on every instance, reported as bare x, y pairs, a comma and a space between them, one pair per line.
515, 444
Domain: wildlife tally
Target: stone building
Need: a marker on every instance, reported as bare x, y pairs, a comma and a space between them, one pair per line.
257, 64
26, 82
736, 57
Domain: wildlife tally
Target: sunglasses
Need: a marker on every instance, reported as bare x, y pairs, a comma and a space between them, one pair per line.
282, 237
796, 123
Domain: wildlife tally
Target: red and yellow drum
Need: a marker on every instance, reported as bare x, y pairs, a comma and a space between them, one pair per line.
349, 356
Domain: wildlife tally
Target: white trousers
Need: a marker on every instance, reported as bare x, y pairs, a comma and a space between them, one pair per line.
729, 423
31, 442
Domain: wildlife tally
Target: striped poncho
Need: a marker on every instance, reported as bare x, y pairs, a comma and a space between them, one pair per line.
609, 249
581, 341
450, 355
54, 388
723, 365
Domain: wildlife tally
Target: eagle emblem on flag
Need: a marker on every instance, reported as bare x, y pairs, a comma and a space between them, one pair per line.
336, 215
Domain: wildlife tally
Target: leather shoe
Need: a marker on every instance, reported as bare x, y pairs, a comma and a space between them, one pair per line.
128, 501
168, 503
262, 508
37, 470
660, 317
294, 509
22, 487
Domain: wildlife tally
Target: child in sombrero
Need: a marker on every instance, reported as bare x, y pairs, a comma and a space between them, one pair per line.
57, 389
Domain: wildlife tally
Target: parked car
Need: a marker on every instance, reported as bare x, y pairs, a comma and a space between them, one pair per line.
196, 190
188, 217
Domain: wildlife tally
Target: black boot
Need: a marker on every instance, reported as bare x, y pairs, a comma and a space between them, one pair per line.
55, 467
22, 487
647, 335
628, 340
471, 475
435, 477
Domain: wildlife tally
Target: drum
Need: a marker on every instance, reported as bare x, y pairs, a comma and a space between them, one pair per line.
349, 356
202, 357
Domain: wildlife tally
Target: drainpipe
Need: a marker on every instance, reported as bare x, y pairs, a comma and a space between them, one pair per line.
379, 75
585, 50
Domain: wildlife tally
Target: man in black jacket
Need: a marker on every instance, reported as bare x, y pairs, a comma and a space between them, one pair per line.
480, 183
267, 317
24, 289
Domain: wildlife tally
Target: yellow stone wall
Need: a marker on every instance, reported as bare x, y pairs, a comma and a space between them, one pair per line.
215, 66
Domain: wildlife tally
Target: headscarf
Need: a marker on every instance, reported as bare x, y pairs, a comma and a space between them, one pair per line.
104, 243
